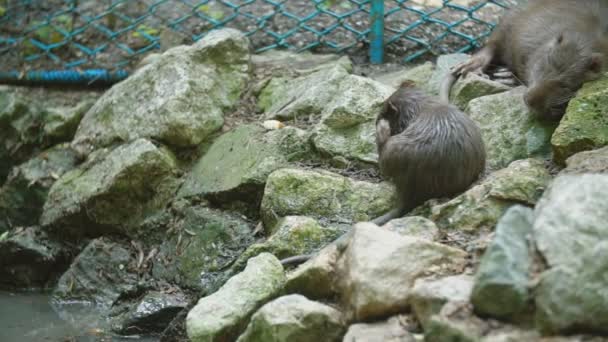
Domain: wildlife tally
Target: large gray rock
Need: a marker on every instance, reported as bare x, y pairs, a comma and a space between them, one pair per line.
29, 258
236, 166
207, 243
347, 127
442, 66
317, 278
287, 98
420, 75
113, 193
571, 217
223, 315
375, 280
481, 206
473, 86
179, 98
509, 131
573, 296
100, 275
390, 330
284, 62
570, 233
25, 190
416, 226
323, 195
430, 294
594, 161
502, 279
294, 318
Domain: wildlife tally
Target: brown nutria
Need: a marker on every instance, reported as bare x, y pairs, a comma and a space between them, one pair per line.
427, 147
551, 46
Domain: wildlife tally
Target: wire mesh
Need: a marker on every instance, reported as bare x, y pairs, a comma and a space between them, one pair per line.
113, 35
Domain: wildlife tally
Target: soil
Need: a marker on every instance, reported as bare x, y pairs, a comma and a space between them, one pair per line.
100, 21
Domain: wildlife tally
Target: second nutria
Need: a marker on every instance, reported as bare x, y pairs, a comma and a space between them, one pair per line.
551, 46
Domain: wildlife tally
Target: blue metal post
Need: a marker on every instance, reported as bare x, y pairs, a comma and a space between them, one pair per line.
376, 46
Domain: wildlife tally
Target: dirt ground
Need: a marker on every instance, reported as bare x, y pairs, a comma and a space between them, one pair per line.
108, 27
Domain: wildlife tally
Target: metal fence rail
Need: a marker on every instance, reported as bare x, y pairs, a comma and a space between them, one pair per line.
86, 40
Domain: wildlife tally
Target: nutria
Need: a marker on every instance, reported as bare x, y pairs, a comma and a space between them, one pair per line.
427, 147
551, 46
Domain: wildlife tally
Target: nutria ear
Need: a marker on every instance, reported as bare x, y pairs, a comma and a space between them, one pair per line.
560, 38
597, 62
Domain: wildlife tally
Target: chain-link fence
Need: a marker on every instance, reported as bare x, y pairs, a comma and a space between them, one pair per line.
76, 40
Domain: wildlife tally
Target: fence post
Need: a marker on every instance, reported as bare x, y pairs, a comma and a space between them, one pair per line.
376, 46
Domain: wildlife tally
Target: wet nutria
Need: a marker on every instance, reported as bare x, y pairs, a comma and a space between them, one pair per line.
551, 46
427, 147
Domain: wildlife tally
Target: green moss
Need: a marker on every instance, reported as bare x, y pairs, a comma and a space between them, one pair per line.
585, 124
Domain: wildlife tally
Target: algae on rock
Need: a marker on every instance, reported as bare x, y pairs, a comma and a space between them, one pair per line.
323, 195
179, 98
237, 164
585, 124
112, 191
223, 315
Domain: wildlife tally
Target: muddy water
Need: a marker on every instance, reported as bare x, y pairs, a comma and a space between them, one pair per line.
30, 317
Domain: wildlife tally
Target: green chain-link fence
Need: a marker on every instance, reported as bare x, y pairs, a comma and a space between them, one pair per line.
50, 40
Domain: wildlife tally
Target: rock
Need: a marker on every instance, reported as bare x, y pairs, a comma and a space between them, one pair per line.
316, 278
356, 143
33, 119
501, 281
293, 235
286, 98
179, 98
208, 242
113, 193
24, 192
509, 131
375, 282
473, 86
443, 65
585, 125
571, 217
420, 74
288, 62
361, 100
100, 275
223, 315
455, 322
523, 182
348, 126
61, 122
416, 226
151, 314
388, 331
572, 296
430, 294
594, 161
237, 164
322, 194
570, 234
294, 318
31, 259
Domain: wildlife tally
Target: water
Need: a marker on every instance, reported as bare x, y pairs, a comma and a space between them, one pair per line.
28, 317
